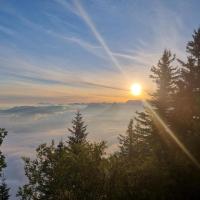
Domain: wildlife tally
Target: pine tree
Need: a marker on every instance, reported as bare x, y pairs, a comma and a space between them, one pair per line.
78, 130
127, 141
4, 190
131, 143
154, 146
189, 95
70, 171
46, 174
3, 134
187, 109
165, 76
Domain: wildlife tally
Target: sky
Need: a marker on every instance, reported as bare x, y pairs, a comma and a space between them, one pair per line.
68, 51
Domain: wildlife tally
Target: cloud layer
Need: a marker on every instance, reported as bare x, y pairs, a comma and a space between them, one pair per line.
29, 126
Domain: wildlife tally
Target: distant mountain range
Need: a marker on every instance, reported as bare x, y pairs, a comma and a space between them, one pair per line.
45, 108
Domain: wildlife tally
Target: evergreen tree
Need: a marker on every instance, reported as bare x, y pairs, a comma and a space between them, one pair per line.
186, 118
135, 172
78, 130
187, 112
131, 144
127, 142
60, 172
3, 134
165, 76
154, 151
4, 190
45, 180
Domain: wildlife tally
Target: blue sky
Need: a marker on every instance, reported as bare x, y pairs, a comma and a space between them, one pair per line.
62, 51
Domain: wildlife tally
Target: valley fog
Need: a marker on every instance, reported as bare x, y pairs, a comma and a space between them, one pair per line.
30, 126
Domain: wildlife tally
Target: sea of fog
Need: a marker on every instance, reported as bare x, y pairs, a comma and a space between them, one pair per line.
29, 126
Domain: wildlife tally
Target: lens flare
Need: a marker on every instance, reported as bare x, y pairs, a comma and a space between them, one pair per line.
171, 134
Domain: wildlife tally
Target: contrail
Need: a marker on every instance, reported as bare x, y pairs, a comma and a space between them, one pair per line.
97, 35
172, 135
103, 86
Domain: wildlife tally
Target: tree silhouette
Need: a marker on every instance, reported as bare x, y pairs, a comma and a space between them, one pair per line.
78, 130
4, 190
3, 134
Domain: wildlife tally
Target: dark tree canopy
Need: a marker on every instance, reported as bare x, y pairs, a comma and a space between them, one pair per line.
4, 190
72, 171
128, 141
186, 114
193, 47
3, 134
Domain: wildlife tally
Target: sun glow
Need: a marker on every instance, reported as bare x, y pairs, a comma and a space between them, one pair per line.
136, 89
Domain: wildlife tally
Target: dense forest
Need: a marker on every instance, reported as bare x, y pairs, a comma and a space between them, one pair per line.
158, 157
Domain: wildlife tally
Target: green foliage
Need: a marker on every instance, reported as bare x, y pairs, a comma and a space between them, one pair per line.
163, 168
165, 76
189, 85
156, 140
186, 115
128, 141
3, 134
78, 130
68, 171
4, 190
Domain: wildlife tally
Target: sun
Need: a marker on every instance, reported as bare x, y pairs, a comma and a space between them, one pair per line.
136, 89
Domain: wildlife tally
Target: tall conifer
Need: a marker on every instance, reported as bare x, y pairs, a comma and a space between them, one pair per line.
78, 131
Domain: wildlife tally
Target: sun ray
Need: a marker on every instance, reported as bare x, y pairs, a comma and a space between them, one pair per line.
171, 134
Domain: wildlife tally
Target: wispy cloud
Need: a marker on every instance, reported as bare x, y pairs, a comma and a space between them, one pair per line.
123, 55
81, 42
67, 6
98, 50
23, 72
104, 86
141, 56
6, 30
91, 48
